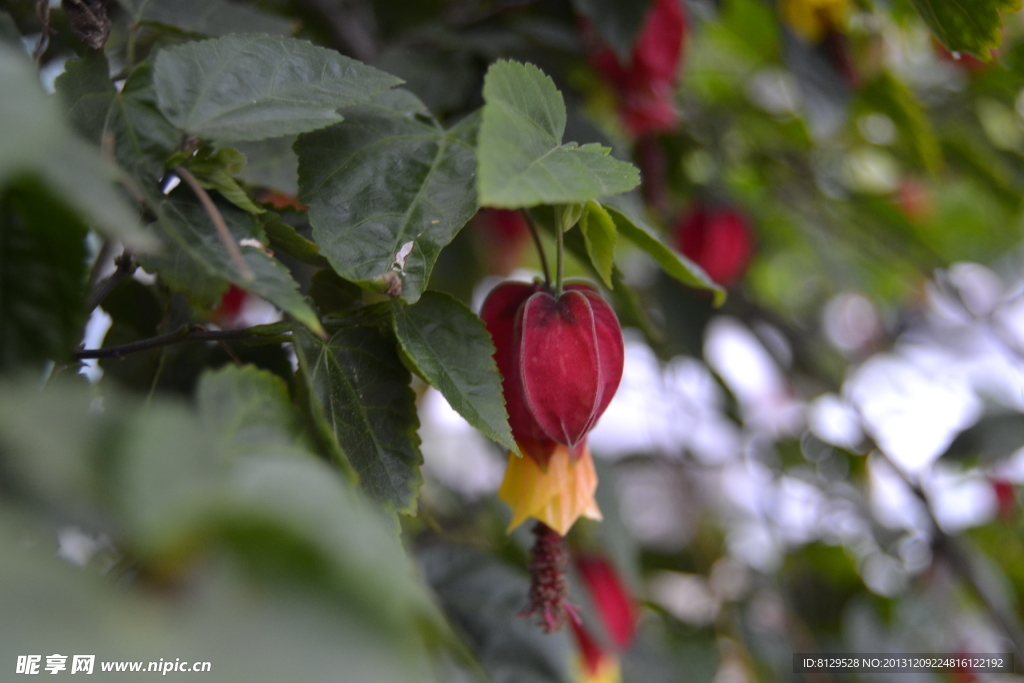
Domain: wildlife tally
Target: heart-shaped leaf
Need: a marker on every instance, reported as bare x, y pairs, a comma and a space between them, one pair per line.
522, 161
387, 190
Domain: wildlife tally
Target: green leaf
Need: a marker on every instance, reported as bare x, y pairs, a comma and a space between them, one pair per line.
568, 215
285, 238
636, 230
272, 164
331, 294
890, 96
972, 27
617, 22
207, 17
522, 161
248, 406
450, 348
363, 390
387, 190
76, 171
143, 139
258, 87
194, 250
42, 268
599, 233
214, 171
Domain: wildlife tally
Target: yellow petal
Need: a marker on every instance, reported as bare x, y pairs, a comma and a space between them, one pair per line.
608, 671
557, 495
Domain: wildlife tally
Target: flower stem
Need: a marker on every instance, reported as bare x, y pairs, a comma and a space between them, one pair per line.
540, 247
559, 259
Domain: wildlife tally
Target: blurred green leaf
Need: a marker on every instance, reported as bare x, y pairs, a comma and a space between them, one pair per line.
36, 141
888, 95
522, 161
750, 28
363, 392
387, 190
993, 437
142, 138
966, 27
250, 408
9, 33
30, 122
482, 597
42, 267
245, 632
258, 87
450, 348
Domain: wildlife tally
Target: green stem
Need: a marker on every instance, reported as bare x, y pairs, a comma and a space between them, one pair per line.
540, 247
559, 259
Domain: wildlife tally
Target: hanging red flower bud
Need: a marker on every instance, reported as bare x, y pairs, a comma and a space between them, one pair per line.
561, 360
719, 240
645, 84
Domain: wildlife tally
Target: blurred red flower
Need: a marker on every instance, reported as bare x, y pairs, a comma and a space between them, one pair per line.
719, 239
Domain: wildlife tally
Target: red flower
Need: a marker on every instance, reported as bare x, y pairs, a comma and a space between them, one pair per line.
719, 240
617, 612
561, 361
614, 604
645, 85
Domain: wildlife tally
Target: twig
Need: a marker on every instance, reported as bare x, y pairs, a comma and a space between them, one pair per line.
218, 222
43, 14
125, 268
183, 334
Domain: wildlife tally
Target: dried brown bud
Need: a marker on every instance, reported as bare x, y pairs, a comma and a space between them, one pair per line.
89, 21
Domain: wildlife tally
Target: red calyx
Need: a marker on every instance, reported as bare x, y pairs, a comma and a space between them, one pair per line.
719, 240
560, 359
645, 85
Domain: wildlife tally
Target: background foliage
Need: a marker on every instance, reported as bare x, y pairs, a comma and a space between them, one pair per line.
284, 459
